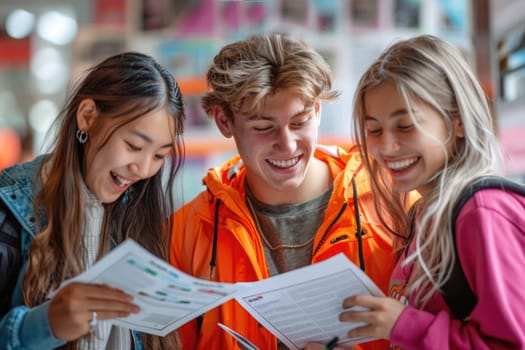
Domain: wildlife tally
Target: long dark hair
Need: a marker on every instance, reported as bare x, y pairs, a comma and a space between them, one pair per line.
124, 87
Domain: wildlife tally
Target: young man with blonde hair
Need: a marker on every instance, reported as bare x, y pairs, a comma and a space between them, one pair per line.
284, 201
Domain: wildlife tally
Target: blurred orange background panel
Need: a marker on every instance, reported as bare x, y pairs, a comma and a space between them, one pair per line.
10, 147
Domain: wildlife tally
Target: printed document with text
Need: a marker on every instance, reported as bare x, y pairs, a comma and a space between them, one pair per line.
303, 305
298, 306
168, 298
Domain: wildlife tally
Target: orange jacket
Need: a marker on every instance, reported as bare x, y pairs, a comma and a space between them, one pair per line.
239, 250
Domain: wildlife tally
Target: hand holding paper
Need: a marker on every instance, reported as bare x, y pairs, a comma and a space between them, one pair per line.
167, 297
303, 305
299, 307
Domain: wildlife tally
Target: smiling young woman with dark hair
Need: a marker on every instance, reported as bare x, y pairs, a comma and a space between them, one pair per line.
101, 183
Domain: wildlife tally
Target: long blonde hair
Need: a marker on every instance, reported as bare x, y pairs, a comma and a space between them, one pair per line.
124, 87
433, 71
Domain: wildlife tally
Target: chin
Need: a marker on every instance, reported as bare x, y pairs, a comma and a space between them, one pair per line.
404, 188
108, 198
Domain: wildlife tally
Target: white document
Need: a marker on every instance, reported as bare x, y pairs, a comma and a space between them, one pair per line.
298, 306
168, 298
303, 305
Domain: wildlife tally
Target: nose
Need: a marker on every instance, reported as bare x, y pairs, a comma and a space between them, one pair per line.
389, 143
143, 167
286, 140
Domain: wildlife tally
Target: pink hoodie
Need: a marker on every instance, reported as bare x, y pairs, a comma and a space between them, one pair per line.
490, 240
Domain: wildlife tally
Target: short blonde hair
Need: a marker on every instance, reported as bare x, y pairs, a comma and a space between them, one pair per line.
245, 72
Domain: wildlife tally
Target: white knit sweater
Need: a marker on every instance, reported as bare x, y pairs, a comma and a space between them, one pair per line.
105, 336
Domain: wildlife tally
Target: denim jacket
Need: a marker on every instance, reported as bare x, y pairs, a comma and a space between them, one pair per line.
23, 327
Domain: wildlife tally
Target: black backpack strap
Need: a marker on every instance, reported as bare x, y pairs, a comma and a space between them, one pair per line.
456, 291
10, 256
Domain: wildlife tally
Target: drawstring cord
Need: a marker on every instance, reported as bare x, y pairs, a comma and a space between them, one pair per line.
359, 230
215, 236
213, 259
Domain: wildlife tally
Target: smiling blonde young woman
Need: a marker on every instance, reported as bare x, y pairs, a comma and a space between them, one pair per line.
425, 124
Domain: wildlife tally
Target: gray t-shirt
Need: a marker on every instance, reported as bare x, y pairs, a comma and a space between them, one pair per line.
289, 230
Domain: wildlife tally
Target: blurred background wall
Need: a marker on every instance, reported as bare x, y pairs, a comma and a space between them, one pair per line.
45, 45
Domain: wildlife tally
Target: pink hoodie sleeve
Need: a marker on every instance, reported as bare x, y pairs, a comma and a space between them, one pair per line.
491, 247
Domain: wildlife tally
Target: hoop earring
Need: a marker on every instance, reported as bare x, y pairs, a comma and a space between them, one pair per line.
82, 136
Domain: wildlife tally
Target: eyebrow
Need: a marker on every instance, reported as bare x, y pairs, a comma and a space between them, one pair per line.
149, 139
264, 117
397, 113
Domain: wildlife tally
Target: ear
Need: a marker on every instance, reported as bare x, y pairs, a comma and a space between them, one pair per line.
223, 122
317, 107
459, 130
86, 114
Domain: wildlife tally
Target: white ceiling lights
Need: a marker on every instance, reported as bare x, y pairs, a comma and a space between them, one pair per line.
57, 27
20, 23
49, 69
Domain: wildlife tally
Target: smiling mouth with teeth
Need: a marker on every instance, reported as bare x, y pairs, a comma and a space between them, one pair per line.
400, 165
284, 163
119, 180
